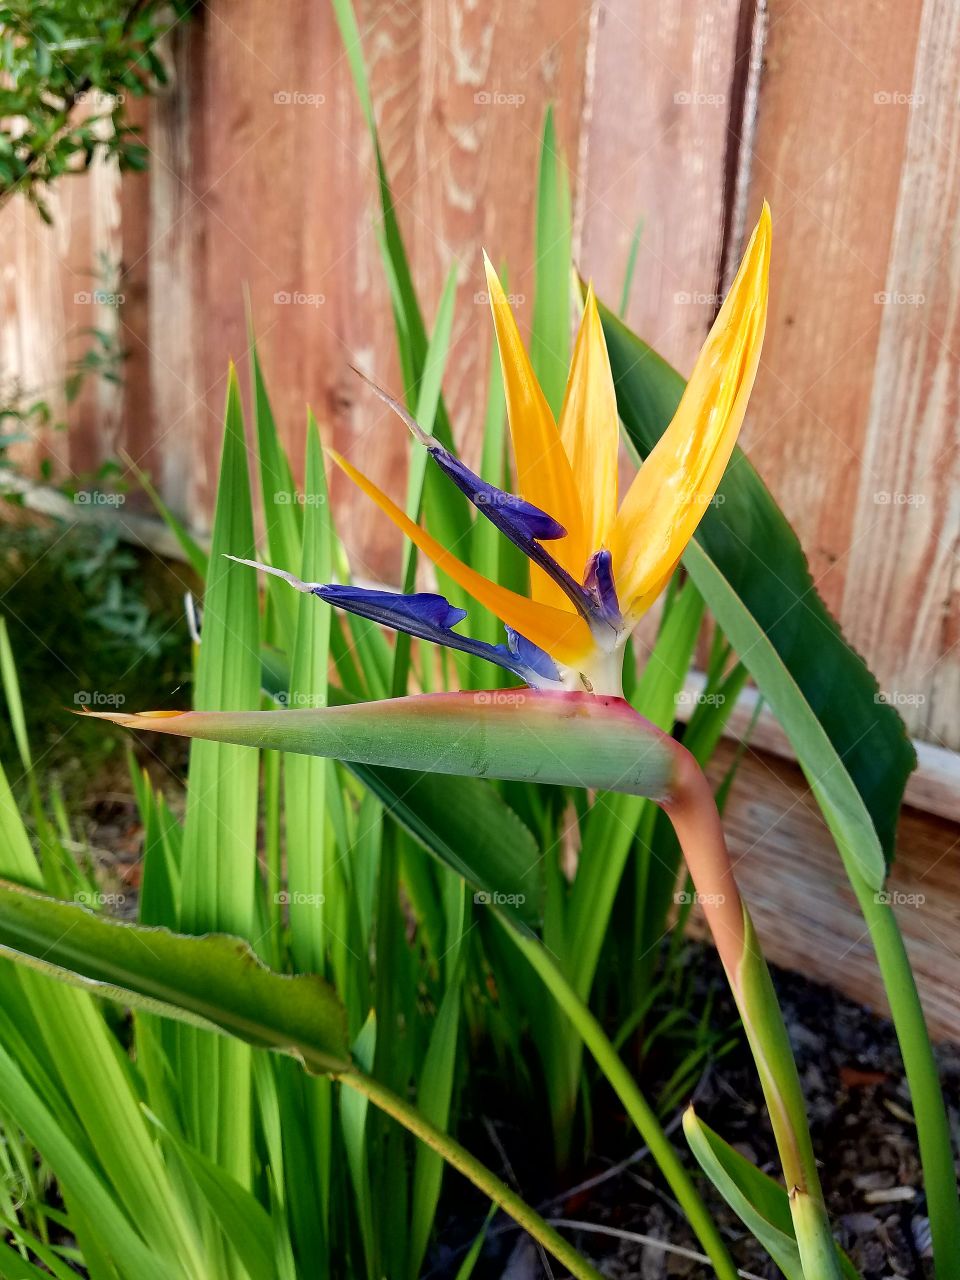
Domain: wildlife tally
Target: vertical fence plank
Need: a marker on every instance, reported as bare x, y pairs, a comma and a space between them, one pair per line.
901, 589
656, 148
828, 156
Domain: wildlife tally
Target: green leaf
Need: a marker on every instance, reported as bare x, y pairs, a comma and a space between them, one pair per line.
575, 740
215, 982
550, 331
434, 1093
749, 567
243, 1219
305, 780
219, 855
761, 1203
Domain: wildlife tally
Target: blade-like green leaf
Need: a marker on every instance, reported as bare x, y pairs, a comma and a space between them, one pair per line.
216, 981
244, 1221
567, 739
762, 1204
434, 1092
748, 565
219, 856
550, 331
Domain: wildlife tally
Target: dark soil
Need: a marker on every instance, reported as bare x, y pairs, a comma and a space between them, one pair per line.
863, 1132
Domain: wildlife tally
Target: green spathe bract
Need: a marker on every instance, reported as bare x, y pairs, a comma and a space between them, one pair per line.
568, 739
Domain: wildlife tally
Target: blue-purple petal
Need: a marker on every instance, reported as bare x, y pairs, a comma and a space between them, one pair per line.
531, 655
432, 617
516, 517
421, 610
599, 581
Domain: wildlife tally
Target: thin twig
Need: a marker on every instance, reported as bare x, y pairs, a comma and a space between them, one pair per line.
635, 1237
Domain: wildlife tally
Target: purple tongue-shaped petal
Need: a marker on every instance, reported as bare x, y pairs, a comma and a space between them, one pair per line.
518, 519
531, 655
427, 616
422, 612
600, 583
524, 524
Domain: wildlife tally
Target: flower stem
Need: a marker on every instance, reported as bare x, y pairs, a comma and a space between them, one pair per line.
478, 1173
639, 1110
933, 1130
692, 810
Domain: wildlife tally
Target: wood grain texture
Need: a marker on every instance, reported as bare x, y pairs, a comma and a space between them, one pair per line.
655, 148
901, 596
805, 912
828, 157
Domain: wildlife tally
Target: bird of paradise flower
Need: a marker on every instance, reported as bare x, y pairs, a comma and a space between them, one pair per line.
606, 564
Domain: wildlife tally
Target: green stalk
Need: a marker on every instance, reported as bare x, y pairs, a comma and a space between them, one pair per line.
461, 1159
639, 1110
933, 1129
696, 820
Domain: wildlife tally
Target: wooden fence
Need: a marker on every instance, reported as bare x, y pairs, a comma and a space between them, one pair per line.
844, 115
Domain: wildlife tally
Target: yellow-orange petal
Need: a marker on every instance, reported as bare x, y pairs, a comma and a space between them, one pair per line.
560, 632
590, 427
544, 474
671, 492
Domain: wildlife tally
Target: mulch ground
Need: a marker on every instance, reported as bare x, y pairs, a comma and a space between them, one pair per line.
863, 1132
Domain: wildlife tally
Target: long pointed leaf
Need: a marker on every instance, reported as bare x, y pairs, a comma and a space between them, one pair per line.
749, 567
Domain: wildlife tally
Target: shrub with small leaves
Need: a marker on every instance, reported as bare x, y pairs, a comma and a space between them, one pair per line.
67, 73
